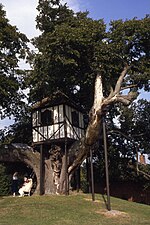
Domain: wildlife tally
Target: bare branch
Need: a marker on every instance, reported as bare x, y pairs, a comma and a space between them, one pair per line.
146, 175
127, 87
120, 80
117, 131
111, 93
124, 99
98, 96
114, 96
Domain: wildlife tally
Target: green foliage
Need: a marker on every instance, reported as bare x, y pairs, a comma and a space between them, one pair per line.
12, 48
20, 131
5, 182
130, 135
73, 48
83, 179
142, 125
124, 140
66, 58
136, 120
131, 41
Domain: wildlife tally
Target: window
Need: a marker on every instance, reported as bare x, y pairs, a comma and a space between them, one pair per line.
47, 117
75, 119
34, 119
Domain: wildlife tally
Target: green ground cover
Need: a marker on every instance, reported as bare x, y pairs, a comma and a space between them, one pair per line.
75, 209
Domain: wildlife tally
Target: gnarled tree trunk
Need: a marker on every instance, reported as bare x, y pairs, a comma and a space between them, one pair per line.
80, 149
55, 165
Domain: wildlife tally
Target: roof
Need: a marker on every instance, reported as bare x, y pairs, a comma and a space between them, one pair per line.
57, 98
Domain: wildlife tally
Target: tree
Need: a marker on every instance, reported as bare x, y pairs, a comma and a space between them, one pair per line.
13, 47
136, 120
20, 131
127, 139
77, 55
72, 46
142, 125
66, 56
5, 181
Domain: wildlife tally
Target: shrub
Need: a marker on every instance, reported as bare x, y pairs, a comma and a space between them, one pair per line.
5, 181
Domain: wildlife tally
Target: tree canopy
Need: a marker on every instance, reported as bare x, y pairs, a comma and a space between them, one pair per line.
13, 47
136, 120
73, 48
77, 55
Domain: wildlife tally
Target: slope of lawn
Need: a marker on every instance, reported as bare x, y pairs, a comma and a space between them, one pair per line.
75, 209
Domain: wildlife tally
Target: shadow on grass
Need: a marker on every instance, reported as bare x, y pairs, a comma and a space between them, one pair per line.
108, 207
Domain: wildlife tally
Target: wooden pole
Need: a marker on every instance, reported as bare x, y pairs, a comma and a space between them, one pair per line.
66, 170
41, 170
92, 175
66, 155
88, 175
106, 166
78, 178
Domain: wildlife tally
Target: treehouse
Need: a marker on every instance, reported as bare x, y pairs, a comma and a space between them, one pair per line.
57, 119
57, 122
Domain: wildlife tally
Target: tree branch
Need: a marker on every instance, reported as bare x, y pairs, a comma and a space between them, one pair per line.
142, 172
120, 80
98, 95
127, 87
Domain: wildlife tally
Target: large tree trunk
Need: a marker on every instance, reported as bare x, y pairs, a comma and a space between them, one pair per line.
55, 166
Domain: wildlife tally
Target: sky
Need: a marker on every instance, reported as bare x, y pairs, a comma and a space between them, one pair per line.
22, 13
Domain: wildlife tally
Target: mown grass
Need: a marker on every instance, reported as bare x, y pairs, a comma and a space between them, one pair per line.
70, 210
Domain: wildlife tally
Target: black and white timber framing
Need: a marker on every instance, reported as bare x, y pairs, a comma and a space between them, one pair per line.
56, 118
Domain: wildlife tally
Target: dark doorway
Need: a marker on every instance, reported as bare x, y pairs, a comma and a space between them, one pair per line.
23, 170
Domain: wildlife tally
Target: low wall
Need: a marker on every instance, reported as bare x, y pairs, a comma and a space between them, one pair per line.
126, 190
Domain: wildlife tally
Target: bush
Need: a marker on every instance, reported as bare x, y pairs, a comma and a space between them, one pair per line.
5, 181
83, 180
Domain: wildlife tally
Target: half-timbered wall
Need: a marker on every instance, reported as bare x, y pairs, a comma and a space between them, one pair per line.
75, 123
49, 123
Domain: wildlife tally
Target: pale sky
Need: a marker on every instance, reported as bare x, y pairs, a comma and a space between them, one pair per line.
22, 13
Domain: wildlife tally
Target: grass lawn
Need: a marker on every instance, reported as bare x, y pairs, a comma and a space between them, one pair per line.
75, 209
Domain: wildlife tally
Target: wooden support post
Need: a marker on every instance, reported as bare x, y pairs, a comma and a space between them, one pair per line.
78, 178
92, 175
41, 171
66, 156
106, 166
88, 175
66, 170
